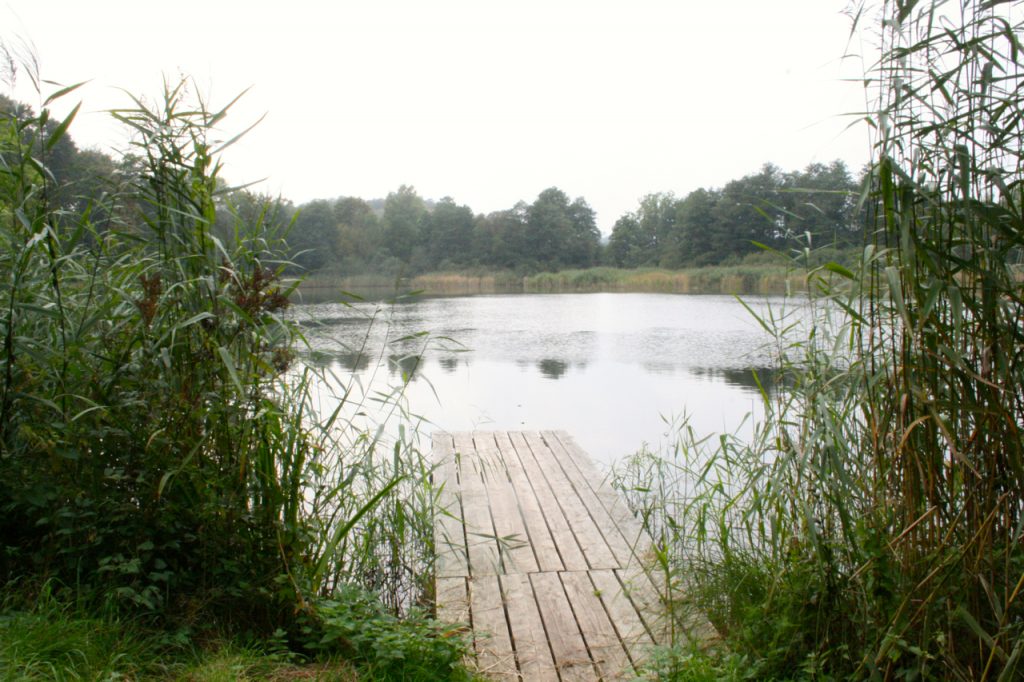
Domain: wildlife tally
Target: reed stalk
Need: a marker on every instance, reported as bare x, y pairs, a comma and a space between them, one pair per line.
873, 528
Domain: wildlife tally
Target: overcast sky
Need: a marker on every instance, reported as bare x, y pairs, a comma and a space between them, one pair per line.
487, 102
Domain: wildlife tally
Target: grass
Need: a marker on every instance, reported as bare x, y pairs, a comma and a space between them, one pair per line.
51, 641
725, 279
872, 528
750, 278
163, 464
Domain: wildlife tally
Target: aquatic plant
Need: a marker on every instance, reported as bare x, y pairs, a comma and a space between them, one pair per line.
874, 528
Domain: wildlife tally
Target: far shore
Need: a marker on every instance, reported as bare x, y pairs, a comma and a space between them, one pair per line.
734, 279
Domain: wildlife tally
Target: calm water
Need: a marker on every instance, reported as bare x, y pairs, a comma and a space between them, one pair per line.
614, 370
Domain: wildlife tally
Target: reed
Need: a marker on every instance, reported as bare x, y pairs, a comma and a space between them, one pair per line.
874, 527
737, 279
160, 454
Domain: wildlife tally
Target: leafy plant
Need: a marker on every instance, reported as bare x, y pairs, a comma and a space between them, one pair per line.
159, 449
414, 648
873, 528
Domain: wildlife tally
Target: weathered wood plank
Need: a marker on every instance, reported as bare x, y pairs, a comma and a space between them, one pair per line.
449, 533
602, 640
452, 599
527, 628
567, 645
628, 624
610, 498
620, 530
573, 600
514, 547
481, 543
544, 549
565, 541
491, 638
595, 548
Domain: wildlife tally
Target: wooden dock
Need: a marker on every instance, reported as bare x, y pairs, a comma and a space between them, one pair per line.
541, 558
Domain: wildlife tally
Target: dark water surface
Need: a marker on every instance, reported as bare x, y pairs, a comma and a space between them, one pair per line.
611, 369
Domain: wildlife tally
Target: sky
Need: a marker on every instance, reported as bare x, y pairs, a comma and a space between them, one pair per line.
487, 101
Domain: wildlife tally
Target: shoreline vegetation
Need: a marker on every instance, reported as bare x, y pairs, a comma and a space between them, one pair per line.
173, 506
723, 279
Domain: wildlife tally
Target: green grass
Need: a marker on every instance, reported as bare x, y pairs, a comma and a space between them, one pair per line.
163, 466
872, 527
51, 642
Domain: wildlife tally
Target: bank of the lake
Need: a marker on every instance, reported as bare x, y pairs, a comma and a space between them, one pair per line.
744, 278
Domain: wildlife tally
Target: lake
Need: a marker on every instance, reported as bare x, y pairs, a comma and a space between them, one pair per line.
614, 370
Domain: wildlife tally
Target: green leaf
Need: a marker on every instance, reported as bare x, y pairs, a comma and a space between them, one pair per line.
229, 364
59, 131
63, 91
838, 269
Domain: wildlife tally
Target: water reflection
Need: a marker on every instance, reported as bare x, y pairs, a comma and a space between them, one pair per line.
353, 361
612, 369
770, 378
404, 366
552, 369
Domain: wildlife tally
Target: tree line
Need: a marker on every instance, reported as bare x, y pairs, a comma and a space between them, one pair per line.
405, 233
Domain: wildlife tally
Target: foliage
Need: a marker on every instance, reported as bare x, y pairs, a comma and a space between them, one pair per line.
160, 457
873, 528
384, 647
710, 226
408, 236
58, 640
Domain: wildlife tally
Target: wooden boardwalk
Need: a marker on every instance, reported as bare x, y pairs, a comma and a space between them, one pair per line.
542, 558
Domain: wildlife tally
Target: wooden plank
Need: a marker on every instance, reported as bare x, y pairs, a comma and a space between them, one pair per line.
491, 638
481, 545
565, 541
588, 535
449, 535
544, 550
623, 615
647, 590
606, 650
622, 533
567, 645
599, 482
516, 554
452, 600
528, 636
643, 591
574, 601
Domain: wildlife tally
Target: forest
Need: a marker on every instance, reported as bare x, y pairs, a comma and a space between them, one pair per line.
406, 234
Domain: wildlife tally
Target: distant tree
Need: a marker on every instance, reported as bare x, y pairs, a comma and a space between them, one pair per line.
560, 233
820, 201
748, 211
500, 238
548, 226
404, 211
359, 240
645, 236
694, 241
627, 243
313, 235
448, 235
584, 242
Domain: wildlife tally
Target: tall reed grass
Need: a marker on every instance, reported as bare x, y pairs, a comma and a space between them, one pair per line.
160, 451
725, 279
874, 527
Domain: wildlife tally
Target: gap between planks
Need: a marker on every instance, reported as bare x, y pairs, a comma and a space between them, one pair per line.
542, 558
